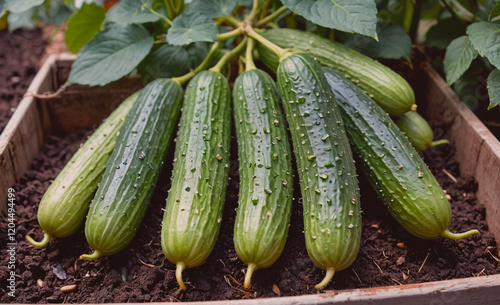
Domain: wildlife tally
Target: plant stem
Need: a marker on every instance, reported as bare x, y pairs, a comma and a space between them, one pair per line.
460, 12
265, 8
42, 243
178, 274
179, 7
409, 14
250, 65
92, 256
440, 142
248, 276
330, 271
168, 21
253, 12
272, 16
232, 21
228, 56
170, 9
271, 46
230, 34
186, 77
417, 10
447, 234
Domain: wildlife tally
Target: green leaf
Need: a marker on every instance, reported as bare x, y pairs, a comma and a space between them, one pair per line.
191, 27
485, 38
112, 54
494, 12
167, 61
459, 56
19, 6
83, 25
494, 88
197, 52
22, 20
466, 87
131, 11
213, 8
353, 16
393, 42
443, 33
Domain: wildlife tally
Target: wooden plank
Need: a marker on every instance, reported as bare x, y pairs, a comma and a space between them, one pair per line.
24, 134
478, 150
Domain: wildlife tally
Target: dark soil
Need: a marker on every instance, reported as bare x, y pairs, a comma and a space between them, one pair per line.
142, 274
20, 54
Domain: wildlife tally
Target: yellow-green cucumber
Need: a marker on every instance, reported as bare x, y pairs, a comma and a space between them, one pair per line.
418, 131
328, 181
391, 91
65, 203
394, 168
195, 201
265, 168
134, 167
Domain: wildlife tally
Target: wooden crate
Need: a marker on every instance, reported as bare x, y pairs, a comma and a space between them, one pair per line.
478, 152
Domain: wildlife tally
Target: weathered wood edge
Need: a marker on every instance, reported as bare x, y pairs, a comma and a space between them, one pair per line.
23, 137
478, 150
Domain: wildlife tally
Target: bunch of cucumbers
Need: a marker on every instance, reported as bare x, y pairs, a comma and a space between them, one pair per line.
333, 99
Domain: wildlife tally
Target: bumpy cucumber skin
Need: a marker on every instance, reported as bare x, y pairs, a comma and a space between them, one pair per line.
195, 201
386, 87
395, 170
65, 203
265, 195
416, 129
328, 181
134, 167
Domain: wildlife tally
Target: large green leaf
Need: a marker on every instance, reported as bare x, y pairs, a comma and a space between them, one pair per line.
19, 6
112, 54
167, 61
353, 16
494, 88
83, 25
21, 20
485, 38
213, 8
131, 11
459, 56
191, 27
393, 42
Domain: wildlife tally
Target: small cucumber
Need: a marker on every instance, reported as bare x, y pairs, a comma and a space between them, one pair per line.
195, 201
133, 169
328, 181
417, 130
265, 195
395, 170
65, 203
386, 87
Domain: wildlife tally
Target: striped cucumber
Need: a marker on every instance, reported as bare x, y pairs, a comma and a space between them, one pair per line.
386, 87
328, 182
65, 203
265, 195
418, 131
395, 170
133, 169
195, 201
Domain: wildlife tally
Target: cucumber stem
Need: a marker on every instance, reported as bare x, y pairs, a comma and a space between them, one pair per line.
440, 142
228, 56
95, 255
253, 12
249, 63
230, 34
186, 77
447, 234
178, 274
330, 271
42, 243
271, 17
268, 44
248, 276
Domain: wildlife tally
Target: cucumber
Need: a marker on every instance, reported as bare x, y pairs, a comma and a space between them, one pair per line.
195, 201
328, 181
65, 203
386, 87
133, 169
418, 131
265, 194
395, 170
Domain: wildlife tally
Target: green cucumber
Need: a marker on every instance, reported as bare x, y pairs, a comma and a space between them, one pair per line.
386, 87
195, 201
418, 131
265, 194
133, 169
395, 170
65, 203
328, 181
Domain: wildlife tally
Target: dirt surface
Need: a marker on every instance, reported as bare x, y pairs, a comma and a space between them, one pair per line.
142, 274
20, 55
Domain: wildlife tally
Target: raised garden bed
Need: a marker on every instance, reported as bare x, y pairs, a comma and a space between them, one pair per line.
386, 272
